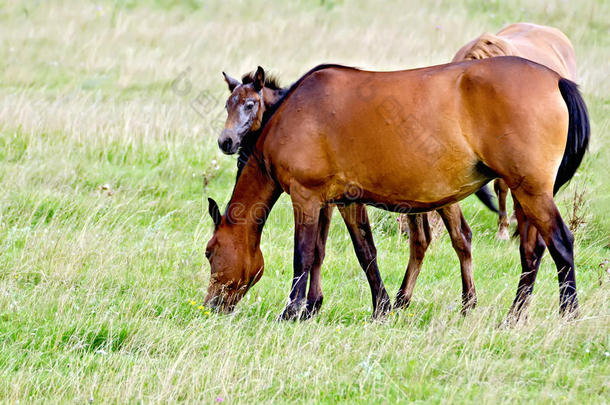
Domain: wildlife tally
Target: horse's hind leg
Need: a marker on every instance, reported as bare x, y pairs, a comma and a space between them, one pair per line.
357, 223
314, 295
501, 189
531, 249
461, 237
540, 209
419, 240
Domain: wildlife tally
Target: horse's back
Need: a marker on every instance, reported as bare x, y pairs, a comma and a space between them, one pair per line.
339, 121
545, 45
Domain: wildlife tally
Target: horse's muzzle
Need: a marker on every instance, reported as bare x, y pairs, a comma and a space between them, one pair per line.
228, 142
222, 304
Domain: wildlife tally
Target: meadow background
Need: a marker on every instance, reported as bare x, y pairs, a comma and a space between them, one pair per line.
109, 113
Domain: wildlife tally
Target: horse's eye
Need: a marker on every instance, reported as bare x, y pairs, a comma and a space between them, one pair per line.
208, 254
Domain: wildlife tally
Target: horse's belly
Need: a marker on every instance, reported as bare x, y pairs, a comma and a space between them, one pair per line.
408, 188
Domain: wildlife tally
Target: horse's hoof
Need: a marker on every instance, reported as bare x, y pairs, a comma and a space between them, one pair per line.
503, 234
513, 218
514, 318
287, 315
402, 302
292, 312
468, 304
569, 312
383, 308
311, 308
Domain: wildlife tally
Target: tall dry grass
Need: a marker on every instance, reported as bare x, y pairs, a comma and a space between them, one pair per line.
105, 167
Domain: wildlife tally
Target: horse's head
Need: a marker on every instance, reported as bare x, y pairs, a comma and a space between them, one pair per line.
236, 262
245, 108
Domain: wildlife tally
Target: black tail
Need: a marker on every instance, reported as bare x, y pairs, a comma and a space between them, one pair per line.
578, 133
487, 198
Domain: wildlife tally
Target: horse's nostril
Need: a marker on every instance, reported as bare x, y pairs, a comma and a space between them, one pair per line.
227, 143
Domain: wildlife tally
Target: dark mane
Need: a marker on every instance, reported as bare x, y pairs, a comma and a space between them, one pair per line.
249, 141
271, 81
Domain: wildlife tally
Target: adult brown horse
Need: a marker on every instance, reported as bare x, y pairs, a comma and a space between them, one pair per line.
545, 45
247, 109
421, 139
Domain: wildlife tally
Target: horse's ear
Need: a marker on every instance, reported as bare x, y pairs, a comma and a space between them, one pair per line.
214, 212
233, 83
259, 79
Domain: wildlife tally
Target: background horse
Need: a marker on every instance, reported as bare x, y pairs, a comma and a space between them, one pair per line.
545, 45
421, 138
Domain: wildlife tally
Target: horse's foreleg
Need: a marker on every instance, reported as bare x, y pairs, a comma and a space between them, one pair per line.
314, 295
419, 240
461, 237
357, 223
531, 249
540, 209
306, 218
501, 190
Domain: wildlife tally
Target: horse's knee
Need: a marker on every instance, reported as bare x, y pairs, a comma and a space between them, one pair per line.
466, 233
462, 242
320, 252
419, 245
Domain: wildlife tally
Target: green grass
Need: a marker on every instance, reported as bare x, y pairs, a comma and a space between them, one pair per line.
104, 175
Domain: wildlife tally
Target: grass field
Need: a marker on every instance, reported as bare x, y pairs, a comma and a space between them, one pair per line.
109, 113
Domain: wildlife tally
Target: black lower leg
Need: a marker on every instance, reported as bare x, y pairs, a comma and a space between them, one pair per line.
305, 236
530, 263
531, 250
419, 240
562, 251
461, 238
357, 223
542, 212
314, 295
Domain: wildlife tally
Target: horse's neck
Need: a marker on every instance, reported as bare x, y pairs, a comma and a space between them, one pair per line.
249, 141
254, 195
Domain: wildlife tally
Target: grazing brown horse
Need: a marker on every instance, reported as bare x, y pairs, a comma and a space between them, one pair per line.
413, 140
545, 45
246, 109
